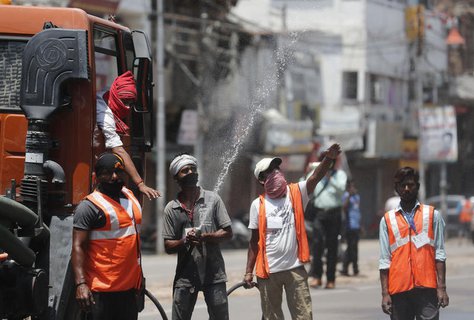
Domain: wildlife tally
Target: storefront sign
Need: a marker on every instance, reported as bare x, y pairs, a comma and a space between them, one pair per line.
409, 157
344, 126
288, 137
438, 134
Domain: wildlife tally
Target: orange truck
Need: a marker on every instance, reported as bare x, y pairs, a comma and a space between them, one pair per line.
53, 63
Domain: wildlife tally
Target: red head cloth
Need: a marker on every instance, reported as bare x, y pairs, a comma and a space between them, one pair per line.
123, 87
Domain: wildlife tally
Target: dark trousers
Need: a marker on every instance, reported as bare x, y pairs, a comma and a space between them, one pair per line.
184, 299
421, 303
113, 306
351, 255
326, 228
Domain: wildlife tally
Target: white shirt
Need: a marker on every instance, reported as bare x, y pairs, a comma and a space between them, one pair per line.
106, 123
281, 242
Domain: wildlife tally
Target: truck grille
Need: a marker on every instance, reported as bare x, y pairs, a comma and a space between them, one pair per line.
11, 53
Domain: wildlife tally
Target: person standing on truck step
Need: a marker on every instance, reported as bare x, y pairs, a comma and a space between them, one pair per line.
110, 119
195, 223
106, 257
412, 256
278, 247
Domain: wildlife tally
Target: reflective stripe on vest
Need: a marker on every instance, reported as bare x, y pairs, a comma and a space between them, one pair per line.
113, 257
399, 241
115, 231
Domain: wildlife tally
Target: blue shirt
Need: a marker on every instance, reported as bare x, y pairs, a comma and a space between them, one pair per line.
353, 210
438, 232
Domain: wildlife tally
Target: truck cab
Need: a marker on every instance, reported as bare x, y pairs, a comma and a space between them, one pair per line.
53, 64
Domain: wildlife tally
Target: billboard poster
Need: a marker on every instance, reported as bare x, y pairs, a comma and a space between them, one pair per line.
438, 134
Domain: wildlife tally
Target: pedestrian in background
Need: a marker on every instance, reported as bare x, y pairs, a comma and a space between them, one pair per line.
195, 223
106, 256
327, 226
351, 209
412, 256
464, 211
278, 246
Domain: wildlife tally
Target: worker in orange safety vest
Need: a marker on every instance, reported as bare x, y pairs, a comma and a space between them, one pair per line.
465, 216
106, 256
412, 256
278, 247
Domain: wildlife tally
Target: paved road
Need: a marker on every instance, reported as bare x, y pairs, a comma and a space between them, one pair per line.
353, 298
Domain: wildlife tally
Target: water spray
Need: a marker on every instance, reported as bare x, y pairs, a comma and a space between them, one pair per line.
284, 55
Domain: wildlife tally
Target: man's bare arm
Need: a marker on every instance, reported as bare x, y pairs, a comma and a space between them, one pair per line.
130, 169
251, 257
386, 299
329, 156
443, 299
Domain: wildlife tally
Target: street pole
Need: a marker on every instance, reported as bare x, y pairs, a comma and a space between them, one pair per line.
421, 162
416, 52
160, 127
443, 184
443, 174
202, 100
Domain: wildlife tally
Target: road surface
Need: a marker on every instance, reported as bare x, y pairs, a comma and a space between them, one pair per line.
354, 297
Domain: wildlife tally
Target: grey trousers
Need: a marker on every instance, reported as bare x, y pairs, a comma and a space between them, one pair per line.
184, 299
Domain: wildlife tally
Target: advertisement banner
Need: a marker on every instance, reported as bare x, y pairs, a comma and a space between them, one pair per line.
438, 134
414, 22
409, 157
288, 137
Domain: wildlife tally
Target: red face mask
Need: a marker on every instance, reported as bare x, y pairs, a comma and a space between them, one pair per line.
275, 185
123, 87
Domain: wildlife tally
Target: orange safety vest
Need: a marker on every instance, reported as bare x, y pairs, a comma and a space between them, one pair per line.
411, 266
113, 258
261, 266
466, 212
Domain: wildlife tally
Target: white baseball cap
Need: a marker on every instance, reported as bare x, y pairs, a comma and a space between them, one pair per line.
264, 164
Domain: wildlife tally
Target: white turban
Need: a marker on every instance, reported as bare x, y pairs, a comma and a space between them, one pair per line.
181, 161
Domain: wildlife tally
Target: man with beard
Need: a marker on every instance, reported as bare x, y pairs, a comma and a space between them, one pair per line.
278, 246
106, 255
195, 222
412, 256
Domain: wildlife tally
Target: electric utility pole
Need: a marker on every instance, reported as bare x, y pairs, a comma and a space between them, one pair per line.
158, 41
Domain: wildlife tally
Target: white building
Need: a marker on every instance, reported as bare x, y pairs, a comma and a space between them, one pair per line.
371, 92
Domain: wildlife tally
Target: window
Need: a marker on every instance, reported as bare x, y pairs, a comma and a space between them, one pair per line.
106, 63
11, 54
375, 89
129, 50
349, 85
299, 90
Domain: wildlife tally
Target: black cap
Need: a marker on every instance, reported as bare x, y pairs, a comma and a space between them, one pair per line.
108, 161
